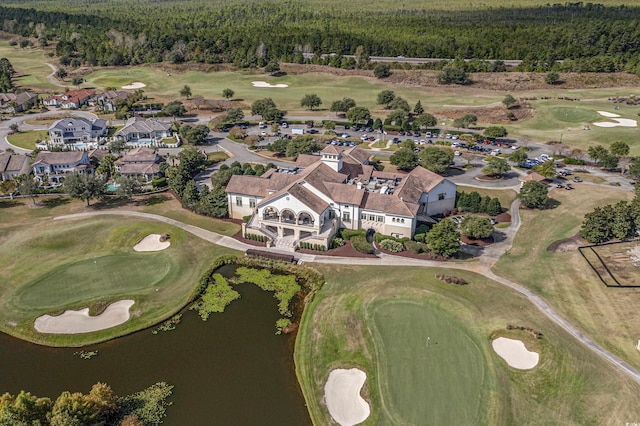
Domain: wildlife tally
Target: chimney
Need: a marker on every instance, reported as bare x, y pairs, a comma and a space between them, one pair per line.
359, 185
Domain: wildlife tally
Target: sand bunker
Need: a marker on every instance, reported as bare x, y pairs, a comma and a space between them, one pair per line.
135, 85
342, 396
515, 353
614, 121
265, 84
75, 322
151, 243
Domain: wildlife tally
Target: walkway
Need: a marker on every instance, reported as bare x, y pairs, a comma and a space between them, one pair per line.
482, 267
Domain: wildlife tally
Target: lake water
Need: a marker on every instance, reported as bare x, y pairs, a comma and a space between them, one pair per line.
229, 370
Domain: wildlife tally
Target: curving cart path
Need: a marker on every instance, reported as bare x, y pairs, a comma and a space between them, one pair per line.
483, 267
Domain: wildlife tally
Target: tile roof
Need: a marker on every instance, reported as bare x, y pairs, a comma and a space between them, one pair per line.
253, 186
143, 125
139, 155
139, 168
305, 160
358, 154
308, 198
345, 194
12, 162
419, 180
63, 157
388, 204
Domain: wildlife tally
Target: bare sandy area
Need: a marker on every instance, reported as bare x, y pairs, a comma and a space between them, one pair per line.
342, 396
134, 85
614, 121
151, 243
515, 353
75, 322
265, 84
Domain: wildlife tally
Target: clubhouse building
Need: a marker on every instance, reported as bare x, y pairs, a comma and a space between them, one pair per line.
333, 190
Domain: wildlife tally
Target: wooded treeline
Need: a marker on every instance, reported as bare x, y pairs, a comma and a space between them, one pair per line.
593, 37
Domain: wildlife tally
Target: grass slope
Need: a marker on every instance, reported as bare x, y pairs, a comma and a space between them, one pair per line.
338, 330
608, 315
447, 376
27, 139
48, 267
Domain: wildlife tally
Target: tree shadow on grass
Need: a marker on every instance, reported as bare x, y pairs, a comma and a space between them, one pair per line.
153, 200
551, 204
53, 202
7, 204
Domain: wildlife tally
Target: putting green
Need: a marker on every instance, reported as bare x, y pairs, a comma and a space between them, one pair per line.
574, 115
106, 275
441, 383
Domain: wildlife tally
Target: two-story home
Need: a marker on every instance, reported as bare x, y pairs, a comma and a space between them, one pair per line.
52, 167
72, 99
110, 100
12, 165
337, 189
12, 103
144, 131
140, 162
77, 130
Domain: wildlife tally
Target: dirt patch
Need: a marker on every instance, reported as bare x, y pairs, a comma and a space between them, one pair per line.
346, 250
567, 244
478, 243
490, 114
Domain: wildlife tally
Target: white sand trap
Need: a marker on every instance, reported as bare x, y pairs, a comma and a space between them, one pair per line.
135, 85
615, 121
265, 84
75, 322
515, 353
608, 114
342, 396
151, 243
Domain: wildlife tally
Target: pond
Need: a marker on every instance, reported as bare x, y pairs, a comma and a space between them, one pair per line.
231, 369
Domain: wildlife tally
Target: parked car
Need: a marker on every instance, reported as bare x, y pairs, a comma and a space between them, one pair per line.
344, 135
457, 153
284, 125
568, 186
577, 179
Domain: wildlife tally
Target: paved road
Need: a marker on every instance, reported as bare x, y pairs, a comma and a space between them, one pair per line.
483, 267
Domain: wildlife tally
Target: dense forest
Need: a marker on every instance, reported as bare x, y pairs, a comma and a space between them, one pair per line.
588, 37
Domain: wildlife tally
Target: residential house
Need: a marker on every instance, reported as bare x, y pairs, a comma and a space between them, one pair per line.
52, 167
337, 189
77, 130
110, 100
12, 165
12, 103
144, 131
141, 162
73, 99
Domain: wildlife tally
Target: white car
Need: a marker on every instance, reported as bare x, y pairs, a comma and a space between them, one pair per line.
344, 135
457, 153
263, 133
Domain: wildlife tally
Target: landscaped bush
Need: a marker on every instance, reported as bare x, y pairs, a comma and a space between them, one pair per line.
256, 237
415, 247
451, 279
420, 237
246, 218
360, 243
311, 246
159, 182
337, 242
346, 234
473, 203
377, 237
573, 161
392, 246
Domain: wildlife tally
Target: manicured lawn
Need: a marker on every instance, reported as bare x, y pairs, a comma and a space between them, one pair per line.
28, 139
31, 70
48, 267
447, 375
377, 319
608, 315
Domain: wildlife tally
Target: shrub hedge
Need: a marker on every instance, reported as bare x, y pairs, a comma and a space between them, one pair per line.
360, 243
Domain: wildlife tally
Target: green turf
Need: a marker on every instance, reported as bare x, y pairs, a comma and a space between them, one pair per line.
49, 267
441, 383
28, 139
112, 275
573, 115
